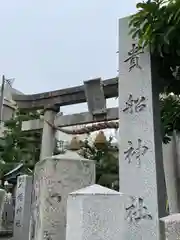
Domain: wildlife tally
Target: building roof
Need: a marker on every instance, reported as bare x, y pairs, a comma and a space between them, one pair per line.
14, 170
15, 91
11, 176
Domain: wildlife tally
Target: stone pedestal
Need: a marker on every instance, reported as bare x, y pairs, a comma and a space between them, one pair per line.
54, 179
23, 208
94, 213
170, 227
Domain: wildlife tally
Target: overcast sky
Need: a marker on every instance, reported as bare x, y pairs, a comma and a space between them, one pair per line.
52, 44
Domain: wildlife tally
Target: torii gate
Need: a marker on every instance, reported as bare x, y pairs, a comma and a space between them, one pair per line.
94, 92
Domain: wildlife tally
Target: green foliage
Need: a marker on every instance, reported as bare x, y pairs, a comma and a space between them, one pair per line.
170, 116
17, 146
157, 23
106, 159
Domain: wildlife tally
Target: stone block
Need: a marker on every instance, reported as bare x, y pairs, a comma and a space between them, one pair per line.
54, 179
94, 213
170, 227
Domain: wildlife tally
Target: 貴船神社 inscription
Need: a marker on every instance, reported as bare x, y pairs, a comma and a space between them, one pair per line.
140, 155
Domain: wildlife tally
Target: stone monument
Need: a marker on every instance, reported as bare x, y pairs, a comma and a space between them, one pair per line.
55, 177
140, 157
94, 213
2, 201
23, 207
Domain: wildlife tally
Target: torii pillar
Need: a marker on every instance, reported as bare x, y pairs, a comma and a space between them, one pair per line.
48, 135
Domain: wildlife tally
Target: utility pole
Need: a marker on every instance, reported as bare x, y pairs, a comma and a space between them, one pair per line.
4, 81
2, 99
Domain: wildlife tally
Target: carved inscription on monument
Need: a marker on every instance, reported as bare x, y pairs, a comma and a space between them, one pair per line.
133, 57
36, 210
135, 152
53, 197
135, 105
47, 235
20, 182
19, 200
137, 211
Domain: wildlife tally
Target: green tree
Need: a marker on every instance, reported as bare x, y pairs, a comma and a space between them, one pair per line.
157, 24
17, 146
170, 116
106, 159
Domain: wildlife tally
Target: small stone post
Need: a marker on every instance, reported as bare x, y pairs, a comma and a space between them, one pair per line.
2, 201
55, 177
94, 213
170, 227
23, 207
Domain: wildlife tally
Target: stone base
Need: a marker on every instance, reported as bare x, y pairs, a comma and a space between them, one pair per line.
54, 179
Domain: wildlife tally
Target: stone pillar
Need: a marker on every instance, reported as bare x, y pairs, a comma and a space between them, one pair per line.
176, 137
177, 166
9, 108
170, 227
141, 169
48, 136
2, 201
23, 207
94, 213
8, 212
171, 175
54, 178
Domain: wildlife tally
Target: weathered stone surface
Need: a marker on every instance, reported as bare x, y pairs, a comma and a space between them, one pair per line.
48, 135
23, 207
94, 213
8, 212
54, 179
170, 161
170, 227
140, 155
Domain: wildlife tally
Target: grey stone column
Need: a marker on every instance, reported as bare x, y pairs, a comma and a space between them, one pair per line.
141, 170
171, 174
48, 136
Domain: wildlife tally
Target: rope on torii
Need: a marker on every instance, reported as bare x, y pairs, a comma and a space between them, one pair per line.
87, 129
